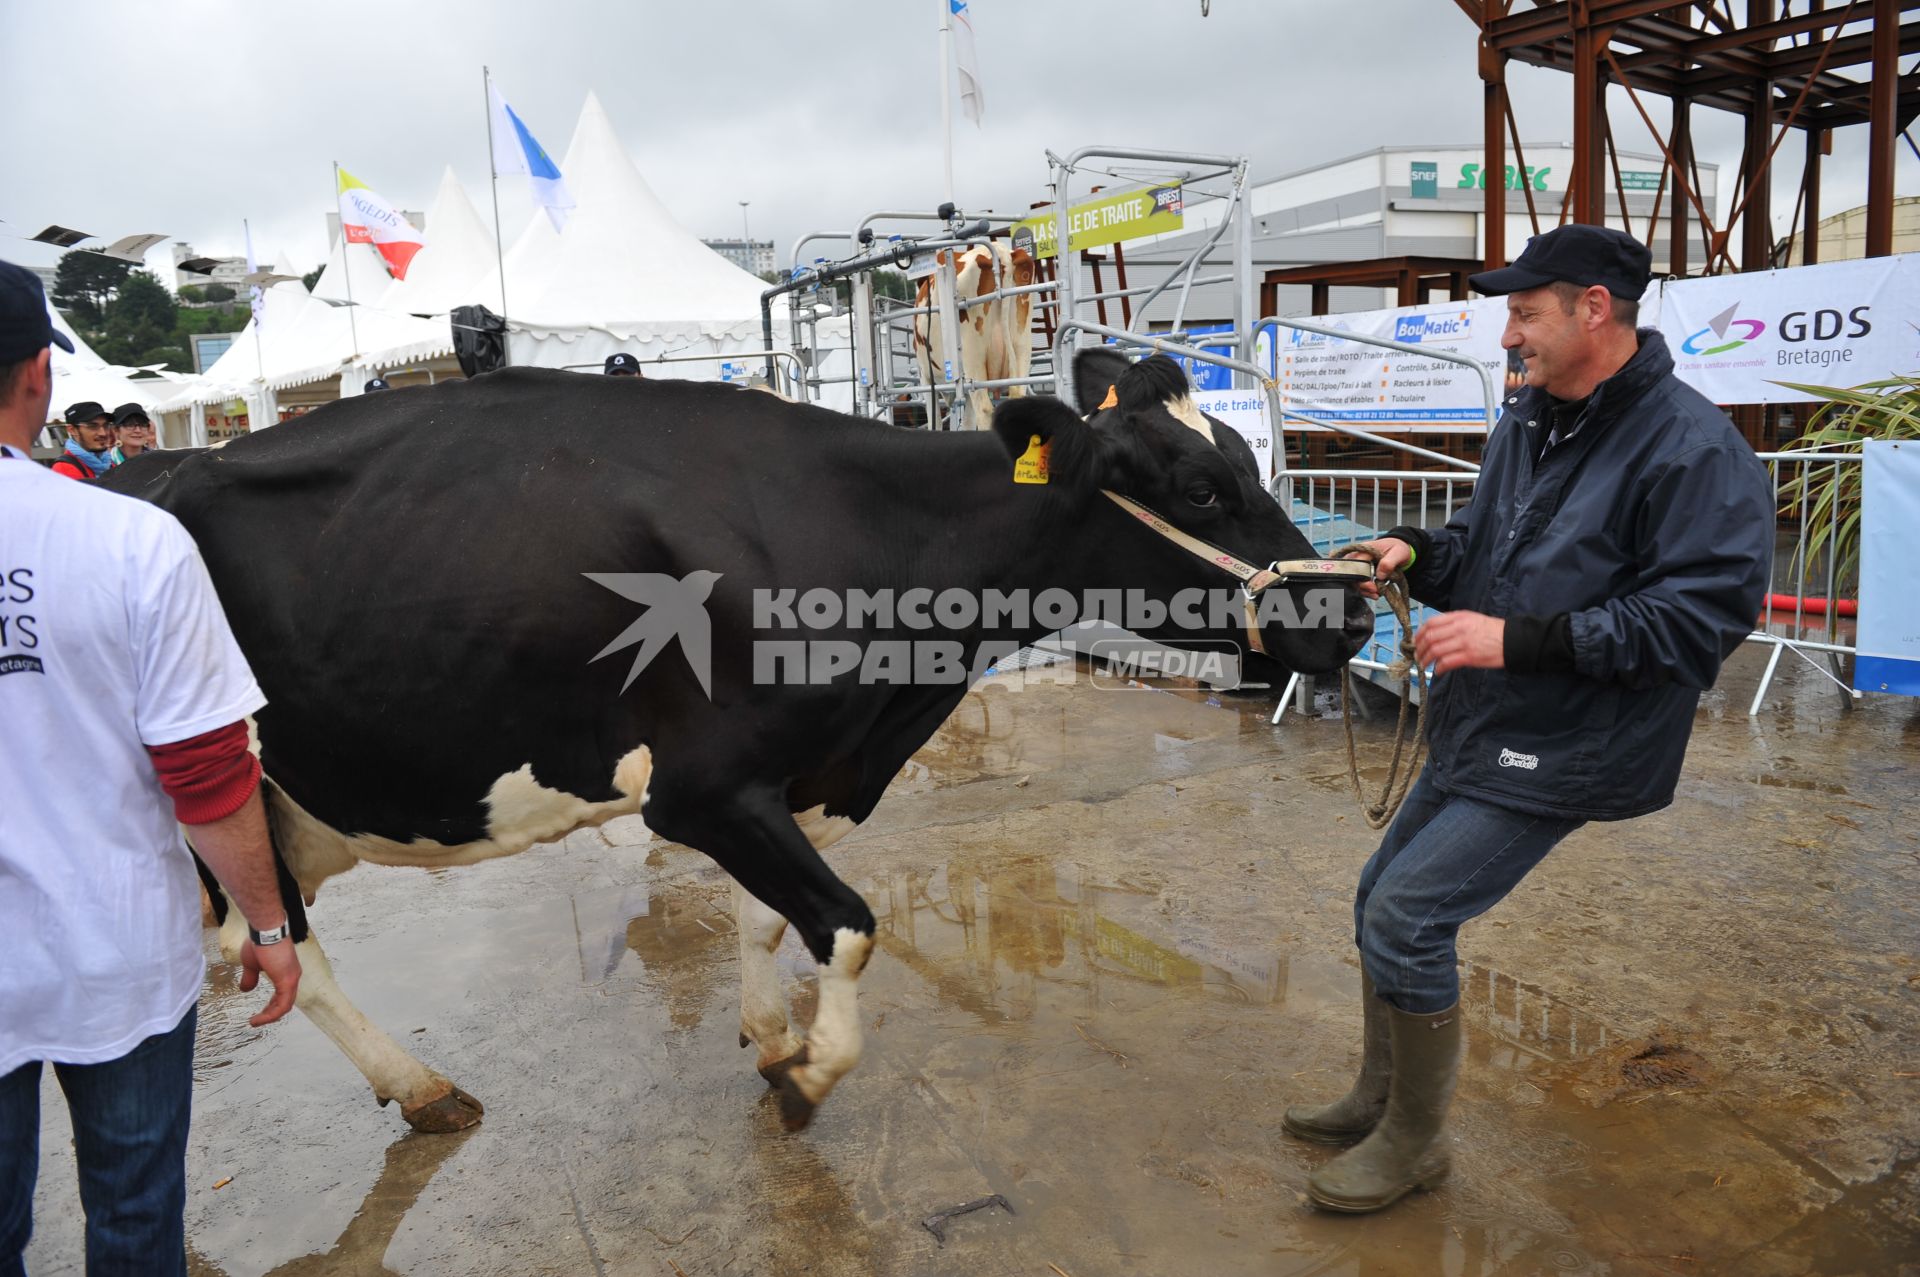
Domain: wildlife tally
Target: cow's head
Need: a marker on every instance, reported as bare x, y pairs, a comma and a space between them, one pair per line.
1145, 439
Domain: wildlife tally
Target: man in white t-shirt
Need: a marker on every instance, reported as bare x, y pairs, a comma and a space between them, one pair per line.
124, 699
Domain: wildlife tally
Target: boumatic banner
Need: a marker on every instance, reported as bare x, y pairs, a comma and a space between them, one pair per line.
1348, 382
1106, 220
1734, 338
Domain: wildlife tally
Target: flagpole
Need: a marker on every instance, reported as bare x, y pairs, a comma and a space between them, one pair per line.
499, 253
346, 266
946, 89
259, 360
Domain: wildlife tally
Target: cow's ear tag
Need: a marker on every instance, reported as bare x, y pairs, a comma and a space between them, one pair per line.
1111, 401
1032, 465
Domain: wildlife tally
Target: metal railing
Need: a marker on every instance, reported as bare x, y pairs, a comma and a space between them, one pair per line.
1799, 615
735, 356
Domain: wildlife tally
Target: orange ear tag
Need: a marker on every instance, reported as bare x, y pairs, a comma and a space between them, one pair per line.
1111, 401
1032, 465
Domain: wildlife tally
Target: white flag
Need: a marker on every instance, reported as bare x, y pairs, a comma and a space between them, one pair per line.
255, 294
972, 101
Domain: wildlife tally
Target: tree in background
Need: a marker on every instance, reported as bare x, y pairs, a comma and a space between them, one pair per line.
192, 293
219, 293
84, 282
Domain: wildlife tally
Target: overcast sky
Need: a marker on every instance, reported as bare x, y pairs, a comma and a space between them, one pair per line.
185, 117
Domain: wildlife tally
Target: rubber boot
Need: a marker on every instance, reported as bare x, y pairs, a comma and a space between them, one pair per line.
1348, 1119
1406, 1151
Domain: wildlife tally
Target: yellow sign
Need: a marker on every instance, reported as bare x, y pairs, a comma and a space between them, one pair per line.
1107, 220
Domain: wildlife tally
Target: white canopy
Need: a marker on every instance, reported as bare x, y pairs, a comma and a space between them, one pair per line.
85, 375
623, 276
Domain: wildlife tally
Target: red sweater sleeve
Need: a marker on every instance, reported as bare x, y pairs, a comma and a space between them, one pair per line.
208, 776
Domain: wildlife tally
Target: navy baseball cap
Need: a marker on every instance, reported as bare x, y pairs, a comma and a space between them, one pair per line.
26, 328
85, 410
130, 412
378, 383
1574, 254
623, 365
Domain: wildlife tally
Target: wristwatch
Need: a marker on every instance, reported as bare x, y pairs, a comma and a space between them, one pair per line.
272, 935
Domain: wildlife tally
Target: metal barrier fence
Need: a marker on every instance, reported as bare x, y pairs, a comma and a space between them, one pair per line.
1800, 615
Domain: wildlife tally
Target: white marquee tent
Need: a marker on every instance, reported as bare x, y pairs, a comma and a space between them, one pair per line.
458, 256
85, 375
623, 276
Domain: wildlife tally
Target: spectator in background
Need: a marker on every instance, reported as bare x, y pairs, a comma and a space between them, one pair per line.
378, 383
134, 430
89, 442
622, 365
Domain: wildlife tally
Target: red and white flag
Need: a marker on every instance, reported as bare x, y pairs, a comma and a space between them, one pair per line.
365, 218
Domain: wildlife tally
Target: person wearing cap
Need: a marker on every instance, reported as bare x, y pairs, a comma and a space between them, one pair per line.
125, 701
622, 365
133, 431
1614, 553
378, 383
89, 451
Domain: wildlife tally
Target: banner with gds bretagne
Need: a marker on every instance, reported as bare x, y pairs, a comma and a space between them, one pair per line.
1734, 337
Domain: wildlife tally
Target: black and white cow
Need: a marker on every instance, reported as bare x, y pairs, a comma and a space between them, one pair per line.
409, 575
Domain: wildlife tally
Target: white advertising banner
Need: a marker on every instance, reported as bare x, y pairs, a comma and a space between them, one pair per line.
1734, 338
1385, 391
1889, 635
1246, 412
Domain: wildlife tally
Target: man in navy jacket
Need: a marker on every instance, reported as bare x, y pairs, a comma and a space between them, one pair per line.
1615, 552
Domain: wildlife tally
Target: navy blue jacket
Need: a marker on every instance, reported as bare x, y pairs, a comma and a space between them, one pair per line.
1644, 540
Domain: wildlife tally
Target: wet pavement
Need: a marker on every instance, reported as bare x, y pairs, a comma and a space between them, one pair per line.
1114, 945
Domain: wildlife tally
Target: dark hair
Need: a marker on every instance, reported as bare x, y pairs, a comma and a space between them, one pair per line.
10, 375
1625, 311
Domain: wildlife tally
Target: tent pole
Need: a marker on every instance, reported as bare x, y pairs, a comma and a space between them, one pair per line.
499, 254
346, 266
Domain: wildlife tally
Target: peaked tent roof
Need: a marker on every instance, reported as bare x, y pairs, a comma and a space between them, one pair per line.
85, 375
304, 339
448, 271
624, 266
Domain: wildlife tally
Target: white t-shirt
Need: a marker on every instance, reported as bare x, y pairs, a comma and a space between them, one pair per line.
111, 639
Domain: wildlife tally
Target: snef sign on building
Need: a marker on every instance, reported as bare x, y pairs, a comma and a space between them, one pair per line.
1106, 220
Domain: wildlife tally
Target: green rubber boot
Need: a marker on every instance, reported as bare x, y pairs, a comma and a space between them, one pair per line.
1348, 1119
1406, 1151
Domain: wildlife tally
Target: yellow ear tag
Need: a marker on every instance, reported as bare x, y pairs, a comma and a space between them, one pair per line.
1033, 463
1111, 401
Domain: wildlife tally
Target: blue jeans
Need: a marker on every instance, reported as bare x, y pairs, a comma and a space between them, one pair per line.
130, 1134
1445, 859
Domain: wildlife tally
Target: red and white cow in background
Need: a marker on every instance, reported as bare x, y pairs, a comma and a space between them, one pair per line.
995, 336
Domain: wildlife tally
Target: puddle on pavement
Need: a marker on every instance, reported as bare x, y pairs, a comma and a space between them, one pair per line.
1108, 1052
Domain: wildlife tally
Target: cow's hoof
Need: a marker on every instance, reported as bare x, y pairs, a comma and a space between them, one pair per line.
796, 1110
776, 1072
454, 1111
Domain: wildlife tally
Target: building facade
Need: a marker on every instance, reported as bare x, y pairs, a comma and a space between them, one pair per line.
1402, 201
752, 255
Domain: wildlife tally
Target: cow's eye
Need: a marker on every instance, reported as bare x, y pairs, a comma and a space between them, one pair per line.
1202, 496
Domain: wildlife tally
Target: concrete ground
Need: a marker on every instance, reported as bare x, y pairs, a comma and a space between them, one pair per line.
1114, 945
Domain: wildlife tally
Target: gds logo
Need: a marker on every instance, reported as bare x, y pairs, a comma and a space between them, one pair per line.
1719, 326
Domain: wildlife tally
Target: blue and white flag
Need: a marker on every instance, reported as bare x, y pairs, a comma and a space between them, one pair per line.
516, 151
972, 101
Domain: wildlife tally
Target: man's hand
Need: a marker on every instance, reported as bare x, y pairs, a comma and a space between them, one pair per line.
282, 967
1394, 555
1462, 641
